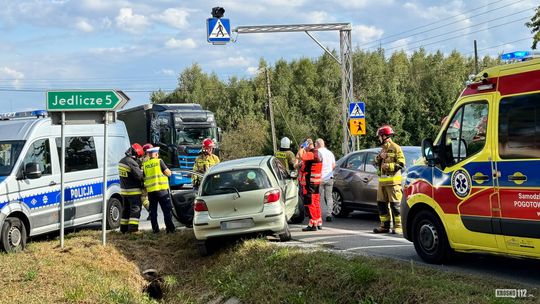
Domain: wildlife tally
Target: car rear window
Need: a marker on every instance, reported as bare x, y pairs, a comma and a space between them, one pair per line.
238, 180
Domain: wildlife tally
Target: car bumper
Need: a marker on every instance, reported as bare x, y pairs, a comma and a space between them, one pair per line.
271, 219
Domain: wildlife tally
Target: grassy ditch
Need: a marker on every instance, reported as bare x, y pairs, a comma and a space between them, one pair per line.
255, 271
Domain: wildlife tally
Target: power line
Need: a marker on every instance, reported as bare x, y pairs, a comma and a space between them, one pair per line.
496, 46
451, 23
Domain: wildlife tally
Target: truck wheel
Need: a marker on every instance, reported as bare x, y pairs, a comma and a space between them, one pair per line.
300, 214
339, 210
114, 212
429, 238
13, 235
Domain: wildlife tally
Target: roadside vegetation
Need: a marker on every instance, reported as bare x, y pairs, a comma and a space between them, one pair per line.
253, 271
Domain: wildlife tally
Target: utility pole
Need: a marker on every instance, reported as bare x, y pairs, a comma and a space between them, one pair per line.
270, 110
475, 58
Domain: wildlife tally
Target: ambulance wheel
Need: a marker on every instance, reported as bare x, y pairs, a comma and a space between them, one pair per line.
114, 213
338, 210
13, 235
429, 238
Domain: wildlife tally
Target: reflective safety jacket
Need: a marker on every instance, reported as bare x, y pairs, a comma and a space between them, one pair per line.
311, 172
395, 160
154, 178
287, 159
203, 162
131, 176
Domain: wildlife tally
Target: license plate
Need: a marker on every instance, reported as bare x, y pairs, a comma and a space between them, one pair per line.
245, 223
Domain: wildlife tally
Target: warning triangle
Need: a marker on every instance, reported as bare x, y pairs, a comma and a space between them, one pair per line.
357, 112
219, 31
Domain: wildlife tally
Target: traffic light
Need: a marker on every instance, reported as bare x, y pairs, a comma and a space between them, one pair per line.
217, 12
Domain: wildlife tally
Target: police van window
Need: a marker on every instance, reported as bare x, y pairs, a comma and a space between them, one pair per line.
80, 153
519, 127
40, 153
9, 153
466, 132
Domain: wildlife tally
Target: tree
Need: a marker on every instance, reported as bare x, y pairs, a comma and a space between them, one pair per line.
534, 24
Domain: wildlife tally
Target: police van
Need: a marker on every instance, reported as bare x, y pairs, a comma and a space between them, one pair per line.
30, 149
480, 188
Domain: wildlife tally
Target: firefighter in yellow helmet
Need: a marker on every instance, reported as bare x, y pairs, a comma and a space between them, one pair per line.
204, 161
285, 155
389, 162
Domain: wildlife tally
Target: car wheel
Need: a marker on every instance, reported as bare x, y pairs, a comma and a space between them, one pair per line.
285, 236
13, 235
203, 248
338, 209
114, 212
300, 214
429, 238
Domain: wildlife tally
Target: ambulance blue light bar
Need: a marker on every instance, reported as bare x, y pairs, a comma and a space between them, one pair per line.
520, 56
27, 114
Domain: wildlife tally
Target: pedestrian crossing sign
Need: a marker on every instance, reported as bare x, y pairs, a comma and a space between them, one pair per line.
357, 110
218, 30
357, 126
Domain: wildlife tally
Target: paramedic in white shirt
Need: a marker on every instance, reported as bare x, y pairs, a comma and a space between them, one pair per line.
327, 183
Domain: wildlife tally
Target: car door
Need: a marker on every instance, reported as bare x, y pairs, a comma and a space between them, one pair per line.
465, 187
351, 180
369, 181
518, 163
42, 194
289, 188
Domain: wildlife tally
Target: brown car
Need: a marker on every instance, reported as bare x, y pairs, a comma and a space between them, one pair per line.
356, 180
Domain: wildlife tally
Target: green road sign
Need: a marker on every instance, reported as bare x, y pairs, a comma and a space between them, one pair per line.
98, 100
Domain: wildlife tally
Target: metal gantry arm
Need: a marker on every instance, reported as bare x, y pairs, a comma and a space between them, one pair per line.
345, 62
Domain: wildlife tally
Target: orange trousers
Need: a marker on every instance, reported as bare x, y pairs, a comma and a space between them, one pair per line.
312, 203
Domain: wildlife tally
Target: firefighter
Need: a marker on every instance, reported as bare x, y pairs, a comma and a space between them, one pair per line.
285, 155
156, 183
310, 172
204, 161
131, 178
389, 163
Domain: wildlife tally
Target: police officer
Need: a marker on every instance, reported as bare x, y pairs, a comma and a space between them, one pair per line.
389, 162
131, 178
285, 155
156, 183
204, 161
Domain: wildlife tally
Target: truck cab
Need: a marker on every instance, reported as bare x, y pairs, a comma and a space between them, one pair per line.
479, 190
178, 129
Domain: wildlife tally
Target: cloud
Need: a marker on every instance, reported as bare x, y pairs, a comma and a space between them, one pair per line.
181, 43
130, 22
363, 33
318, 17
174, 17
355, 4
11, 74
113, 50
252, 70
167, 72
84, 26
233, 62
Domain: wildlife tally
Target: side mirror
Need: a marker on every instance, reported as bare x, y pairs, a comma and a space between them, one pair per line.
219, 134
427, 150
32, 171
293, 174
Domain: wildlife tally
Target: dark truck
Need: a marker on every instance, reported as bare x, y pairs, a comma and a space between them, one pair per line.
178, 130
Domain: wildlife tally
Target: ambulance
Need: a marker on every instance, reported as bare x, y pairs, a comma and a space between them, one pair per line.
479, 189
30, 149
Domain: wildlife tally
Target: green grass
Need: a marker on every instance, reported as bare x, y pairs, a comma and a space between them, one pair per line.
254, 271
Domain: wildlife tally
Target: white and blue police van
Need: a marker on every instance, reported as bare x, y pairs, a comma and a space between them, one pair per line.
30, 149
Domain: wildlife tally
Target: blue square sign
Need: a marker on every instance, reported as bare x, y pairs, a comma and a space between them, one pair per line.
357, 110
218, 30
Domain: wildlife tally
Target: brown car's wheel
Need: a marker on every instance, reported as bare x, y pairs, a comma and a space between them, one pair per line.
338, 210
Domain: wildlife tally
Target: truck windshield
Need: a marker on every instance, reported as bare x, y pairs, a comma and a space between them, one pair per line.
9, 153
194, 136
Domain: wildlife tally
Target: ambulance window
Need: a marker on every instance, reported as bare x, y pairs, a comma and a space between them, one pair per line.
519, 127
466, 132
39, 152
80, 153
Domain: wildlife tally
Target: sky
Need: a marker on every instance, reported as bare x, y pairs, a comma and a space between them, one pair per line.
142, 46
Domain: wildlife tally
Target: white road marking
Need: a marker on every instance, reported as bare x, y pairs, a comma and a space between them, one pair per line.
379, 246
369, 234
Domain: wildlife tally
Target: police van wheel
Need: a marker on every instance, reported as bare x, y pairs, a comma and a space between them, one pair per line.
114, 213
429, 238
13, 235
